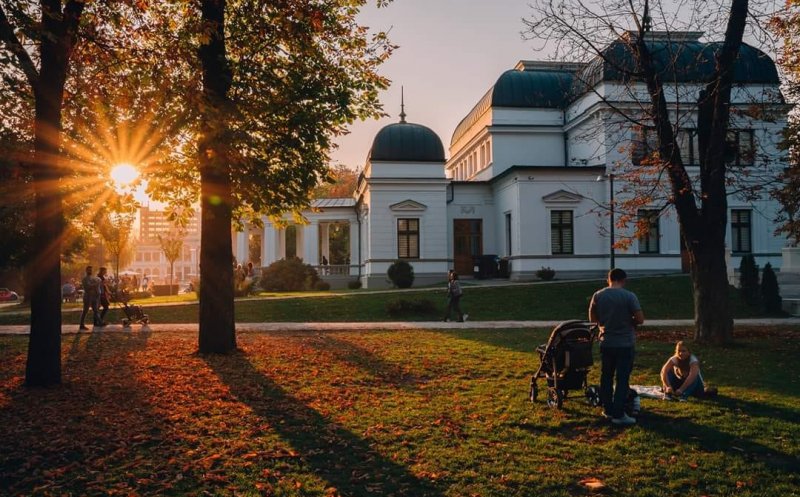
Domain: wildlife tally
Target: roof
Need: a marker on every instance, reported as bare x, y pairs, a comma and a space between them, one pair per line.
521, 87
680, 56
327, 203
406, 142
681, 61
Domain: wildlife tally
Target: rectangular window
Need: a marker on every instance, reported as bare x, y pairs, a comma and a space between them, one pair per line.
740, 150
741, 231
649, 232
408, 238
561, 232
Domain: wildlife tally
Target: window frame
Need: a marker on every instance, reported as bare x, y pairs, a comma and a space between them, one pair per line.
409, 234
653, 235
560, 229
737, 227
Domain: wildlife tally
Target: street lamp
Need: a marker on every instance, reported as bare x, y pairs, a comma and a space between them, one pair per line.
610, 177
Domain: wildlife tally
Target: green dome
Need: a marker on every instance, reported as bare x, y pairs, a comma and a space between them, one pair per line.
681, 61
406, 142
537, 89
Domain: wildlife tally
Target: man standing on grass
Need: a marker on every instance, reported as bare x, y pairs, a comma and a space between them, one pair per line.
91, 294
618, 312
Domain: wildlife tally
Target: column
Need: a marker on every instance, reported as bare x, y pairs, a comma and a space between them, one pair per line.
242, 250
354, 239
269, 244
310, 242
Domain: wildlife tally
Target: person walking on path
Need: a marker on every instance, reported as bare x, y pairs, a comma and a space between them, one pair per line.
91, 285
104, 293
454, 297
618, 312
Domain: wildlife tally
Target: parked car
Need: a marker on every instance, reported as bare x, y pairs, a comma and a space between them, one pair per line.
7, 295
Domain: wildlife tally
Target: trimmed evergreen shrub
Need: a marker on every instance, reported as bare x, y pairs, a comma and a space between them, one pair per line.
748, 280
288, 275
354, 285
546, 273
770, 293
401, 274
322, 286
410, 307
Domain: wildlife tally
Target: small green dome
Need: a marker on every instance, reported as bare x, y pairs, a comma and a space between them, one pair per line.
406, 142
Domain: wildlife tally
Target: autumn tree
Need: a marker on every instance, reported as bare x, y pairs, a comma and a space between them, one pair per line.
341, 182
54, 36
290, 77
171, 244
650, 52
115, 228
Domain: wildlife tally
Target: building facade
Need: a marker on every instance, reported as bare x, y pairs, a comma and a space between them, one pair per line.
536, 168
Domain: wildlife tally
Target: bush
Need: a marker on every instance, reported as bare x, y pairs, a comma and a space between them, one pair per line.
770, 293
546, 273
139, 295
322, 286
405, 307
288, 275
354, 285
401, 274
748, 280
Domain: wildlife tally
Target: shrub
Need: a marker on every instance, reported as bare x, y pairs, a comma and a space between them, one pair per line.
401, 274
322, 286
139, 295
748, 280
354, 285
288, 275
405, 307
770, 293
546, 273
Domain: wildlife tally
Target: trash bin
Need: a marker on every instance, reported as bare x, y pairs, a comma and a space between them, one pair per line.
485, 266
503, 268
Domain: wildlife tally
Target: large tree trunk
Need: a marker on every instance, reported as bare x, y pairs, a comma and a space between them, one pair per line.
217, 324
43, 367
712, 313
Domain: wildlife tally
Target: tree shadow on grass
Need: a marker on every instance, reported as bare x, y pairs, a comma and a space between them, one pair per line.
385, 373
95, 434
712, 439
334, 453
758, 409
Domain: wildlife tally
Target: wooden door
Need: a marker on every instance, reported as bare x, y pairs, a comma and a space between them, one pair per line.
467, 244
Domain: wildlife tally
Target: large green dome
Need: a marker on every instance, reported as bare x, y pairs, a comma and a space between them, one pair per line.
406, 142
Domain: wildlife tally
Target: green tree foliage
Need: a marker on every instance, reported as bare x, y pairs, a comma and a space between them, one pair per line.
289, 275
770, 292
748, 280
401, 274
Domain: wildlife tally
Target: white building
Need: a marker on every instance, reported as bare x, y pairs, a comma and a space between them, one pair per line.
149, 260
531, 174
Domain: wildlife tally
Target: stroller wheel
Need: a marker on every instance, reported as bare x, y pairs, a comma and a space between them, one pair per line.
593, 395
555, 398
126, 323
145, 320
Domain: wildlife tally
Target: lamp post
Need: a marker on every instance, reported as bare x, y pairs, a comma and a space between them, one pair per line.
612, 252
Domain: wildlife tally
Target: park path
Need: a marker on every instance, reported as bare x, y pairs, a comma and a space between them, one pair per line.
383, 325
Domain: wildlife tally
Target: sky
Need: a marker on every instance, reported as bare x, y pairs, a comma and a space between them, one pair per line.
450, 53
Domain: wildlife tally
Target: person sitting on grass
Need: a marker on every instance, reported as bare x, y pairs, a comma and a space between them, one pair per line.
680, 375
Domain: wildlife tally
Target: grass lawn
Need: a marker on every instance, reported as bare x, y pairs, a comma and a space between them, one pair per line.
661, 298
412, 413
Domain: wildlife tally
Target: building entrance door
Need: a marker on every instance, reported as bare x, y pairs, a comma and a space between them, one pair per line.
467, 243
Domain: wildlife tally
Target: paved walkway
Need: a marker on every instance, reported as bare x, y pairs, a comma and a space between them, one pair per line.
384, 325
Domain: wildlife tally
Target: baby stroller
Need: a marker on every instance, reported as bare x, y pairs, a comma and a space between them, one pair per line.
566, 359
133, 313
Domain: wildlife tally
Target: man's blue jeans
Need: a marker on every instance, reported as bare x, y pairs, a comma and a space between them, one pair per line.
619, 361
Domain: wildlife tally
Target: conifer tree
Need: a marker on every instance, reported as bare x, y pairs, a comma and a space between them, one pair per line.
770, 292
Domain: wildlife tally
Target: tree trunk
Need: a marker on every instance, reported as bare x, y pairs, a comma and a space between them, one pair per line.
43, 367
217, 324
713, 321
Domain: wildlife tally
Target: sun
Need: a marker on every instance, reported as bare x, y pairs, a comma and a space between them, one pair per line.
124, 174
